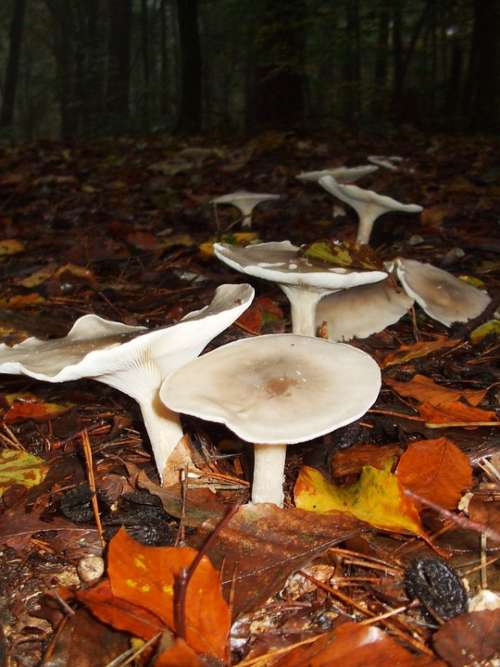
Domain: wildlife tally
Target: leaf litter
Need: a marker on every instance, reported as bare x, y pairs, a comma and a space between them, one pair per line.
143, 257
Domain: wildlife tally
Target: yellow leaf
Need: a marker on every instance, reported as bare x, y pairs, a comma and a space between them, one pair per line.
37, 278
18, 467
238, 238
490, 327
21, 300
376, 498
10, 247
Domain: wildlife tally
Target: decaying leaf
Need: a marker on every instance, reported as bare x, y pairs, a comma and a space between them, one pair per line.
19, 467
408, 352
10, 247
27, 406
263, 313
377, 498
351, 461
489, 327
456, 412
344, 254
424, 389
470, 639
436, 470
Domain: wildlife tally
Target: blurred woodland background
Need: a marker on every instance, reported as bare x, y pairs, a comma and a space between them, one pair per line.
90, 68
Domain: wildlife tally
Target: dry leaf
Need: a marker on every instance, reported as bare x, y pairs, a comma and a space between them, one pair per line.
264, 312
10, 247
350, 461
470, 639
424, 389
408, 352
27, 406
20, 467
456, 412
436, 470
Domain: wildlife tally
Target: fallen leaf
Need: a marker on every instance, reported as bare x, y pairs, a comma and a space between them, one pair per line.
436, 470
376, 498
21, 300
485, 511
237, 238
344, 254
179, 655
456, 412
27, 406
354, 645
470, 639
350, 461
10, 247
424, 389
406, 353
145, 576
433, 216
480, 332
264, 312
19, 467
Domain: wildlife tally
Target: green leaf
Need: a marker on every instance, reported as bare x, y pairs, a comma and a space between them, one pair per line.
19, 467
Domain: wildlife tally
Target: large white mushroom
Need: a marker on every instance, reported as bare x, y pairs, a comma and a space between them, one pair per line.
340, 174
245, 202
130, 358
440, 294
303, 280
368, 205
275, 390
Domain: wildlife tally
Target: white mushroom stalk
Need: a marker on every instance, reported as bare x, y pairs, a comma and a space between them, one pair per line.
303, 280
440, 294
368, 205
245, 202
130, 358
340, 174
276, 390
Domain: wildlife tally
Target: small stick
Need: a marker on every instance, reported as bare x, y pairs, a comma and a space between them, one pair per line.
182, 580
132, 655
183, 477
484, 576
87, 450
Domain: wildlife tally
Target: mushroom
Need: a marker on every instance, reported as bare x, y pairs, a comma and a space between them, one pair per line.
442, 296
245, 202
275, 390
362, 311
130, 358
368, 205
386, 161
303, 280
340, 174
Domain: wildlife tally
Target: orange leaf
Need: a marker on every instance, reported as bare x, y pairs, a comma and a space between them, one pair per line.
27, 406
119, 613
456, 412
437, 470
417, 350
262, 311
423, 389
145, 576
355, 645
350, 461
179, 654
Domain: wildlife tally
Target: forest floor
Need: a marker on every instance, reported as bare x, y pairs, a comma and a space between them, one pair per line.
122, 228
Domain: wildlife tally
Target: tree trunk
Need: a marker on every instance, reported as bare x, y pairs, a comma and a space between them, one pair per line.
120, 18
12, 68
190, 48
483, 86
146, 67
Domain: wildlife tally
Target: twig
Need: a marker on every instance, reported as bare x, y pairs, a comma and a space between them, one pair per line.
87, 450
131, 656
280, 651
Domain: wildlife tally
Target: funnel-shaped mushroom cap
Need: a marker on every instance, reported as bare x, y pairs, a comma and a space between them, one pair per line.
362, 311
245, 202
280, 262
275, 389
368, 204
340, 174
442, 296
303, 280
131, 359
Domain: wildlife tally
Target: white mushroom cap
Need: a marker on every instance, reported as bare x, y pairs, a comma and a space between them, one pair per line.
442, 296
131, 359
303, 280
245, 202
275, 390
340, 174
386, 161
362, 311
368, 205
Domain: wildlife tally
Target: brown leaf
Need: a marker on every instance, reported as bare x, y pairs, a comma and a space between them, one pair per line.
416, 350
263, 544
263, 312
179, 655
350, 461
437, 470
354, 645
485, 511
456, 412
423, 388
470, 639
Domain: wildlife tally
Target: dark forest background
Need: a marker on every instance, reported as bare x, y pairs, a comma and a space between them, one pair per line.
89, 68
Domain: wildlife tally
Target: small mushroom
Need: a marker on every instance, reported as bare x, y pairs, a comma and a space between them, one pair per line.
442, 296
275, 390
303, 280
245, 202
362, 311
130, 358
340, 174
368, 205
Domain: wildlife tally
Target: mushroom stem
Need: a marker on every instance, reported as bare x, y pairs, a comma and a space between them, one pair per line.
268, 474
303, 304
164, 429
365, 226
